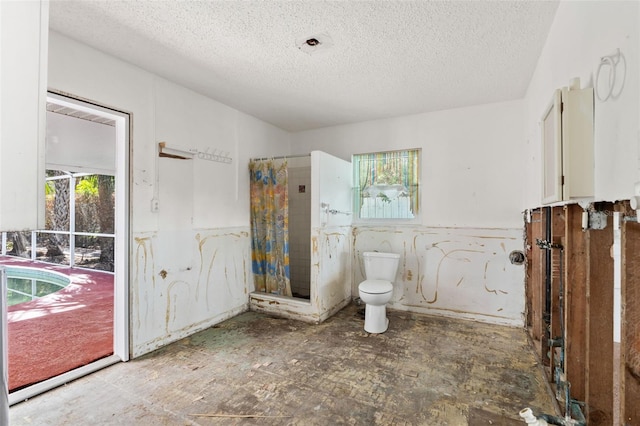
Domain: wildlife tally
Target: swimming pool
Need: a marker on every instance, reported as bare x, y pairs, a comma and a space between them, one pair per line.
26, 284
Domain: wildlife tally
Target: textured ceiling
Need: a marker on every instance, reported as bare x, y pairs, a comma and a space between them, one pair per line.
377, 59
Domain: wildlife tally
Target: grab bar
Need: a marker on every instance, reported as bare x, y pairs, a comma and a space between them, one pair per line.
334, 211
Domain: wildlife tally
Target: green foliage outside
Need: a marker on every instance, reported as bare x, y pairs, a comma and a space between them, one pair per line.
87, 186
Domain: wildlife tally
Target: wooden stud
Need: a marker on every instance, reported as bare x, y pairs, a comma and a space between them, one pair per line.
544, 332
587, 304
575, 301
555, 320
630, 335
537, 282
599, 359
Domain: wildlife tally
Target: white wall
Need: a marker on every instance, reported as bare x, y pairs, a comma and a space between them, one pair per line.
331, 256
190, 260
472, 164
480, 170
23, 77
581, 34
455, 260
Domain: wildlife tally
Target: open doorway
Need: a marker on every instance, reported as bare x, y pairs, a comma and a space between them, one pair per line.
87, 232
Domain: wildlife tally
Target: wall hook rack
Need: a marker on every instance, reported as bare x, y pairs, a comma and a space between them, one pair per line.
218, 156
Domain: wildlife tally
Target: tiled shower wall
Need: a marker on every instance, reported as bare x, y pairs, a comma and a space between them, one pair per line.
300, 229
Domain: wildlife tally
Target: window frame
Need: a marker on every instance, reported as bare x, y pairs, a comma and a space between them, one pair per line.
357, 204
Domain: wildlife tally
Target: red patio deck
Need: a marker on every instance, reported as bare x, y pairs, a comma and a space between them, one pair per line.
62, 331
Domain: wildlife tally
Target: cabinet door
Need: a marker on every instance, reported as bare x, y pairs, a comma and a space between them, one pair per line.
551, 130
577, 143
567, 146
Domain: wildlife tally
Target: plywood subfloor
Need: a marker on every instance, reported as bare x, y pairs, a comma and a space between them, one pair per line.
422, 371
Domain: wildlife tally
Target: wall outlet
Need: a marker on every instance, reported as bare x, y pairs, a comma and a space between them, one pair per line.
636, 190
155, 205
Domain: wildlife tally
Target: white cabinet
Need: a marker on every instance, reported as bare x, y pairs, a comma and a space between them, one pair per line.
567, 145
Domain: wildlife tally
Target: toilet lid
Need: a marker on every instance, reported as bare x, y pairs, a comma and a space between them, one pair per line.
375, 286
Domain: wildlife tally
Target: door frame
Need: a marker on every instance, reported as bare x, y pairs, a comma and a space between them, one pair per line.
121, 338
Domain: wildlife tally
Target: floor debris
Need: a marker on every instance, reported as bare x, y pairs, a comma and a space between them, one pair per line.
423, 371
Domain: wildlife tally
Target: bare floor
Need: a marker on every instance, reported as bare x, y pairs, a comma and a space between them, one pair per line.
422, 371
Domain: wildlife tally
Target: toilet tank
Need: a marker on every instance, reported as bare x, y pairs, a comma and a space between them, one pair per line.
381, 266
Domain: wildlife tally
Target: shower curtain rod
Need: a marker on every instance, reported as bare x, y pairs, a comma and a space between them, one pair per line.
281, 157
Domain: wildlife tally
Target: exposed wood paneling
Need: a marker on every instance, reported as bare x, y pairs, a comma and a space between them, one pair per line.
581, 305
630, 345
575, 302
599, 372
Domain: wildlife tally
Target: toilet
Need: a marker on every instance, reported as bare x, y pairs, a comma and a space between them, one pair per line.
376, 291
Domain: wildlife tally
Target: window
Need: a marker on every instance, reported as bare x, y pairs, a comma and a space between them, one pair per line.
386, 184
79, 223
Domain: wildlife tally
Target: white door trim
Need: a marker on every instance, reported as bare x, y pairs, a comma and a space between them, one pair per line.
121, 251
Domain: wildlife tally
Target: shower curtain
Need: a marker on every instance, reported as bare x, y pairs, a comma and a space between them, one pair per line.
270, 226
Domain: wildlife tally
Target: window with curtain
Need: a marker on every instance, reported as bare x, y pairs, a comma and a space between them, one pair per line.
387, 184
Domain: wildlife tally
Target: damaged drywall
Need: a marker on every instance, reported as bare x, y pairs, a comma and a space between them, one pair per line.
330, 280
330, 269
455, 272
172, 299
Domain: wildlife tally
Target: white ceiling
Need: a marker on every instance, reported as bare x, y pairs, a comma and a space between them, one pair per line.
388, 58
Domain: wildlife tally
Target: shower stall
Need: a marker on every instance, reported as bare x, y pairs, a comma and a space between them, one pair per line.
301, 235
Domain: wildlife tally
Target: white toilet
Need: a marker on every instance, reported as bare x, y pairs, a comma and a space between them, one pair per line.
376, 291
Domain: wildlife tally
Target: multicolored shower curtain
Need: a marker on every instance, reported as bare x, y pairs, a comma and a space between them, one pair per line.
270, 226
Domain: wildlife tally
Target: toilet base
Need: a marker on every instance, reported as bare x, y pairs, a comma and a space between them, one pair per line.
375, 319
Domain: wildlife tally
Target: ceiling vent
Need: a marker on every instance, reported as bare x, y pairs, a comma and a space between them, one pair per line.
314, 43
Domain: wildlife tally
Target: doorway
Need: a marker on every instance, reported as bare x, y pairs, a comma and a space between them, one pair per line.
75, 156
299, 169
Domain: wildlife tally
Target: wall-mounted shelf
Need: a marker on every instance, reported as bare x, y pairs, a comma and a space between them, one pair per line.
188, 154
169, 152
